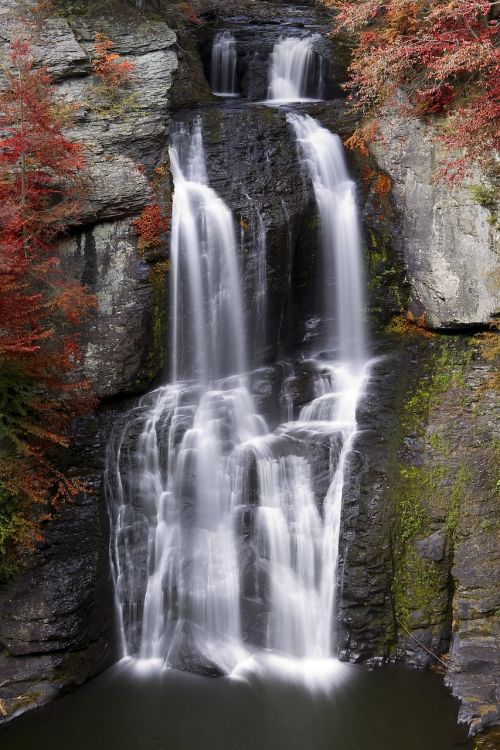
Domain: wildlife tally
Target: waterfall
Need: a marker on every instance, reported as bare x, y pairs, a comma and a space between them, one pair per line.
208, 330
174, 487
298, 538
224, 545
223, 65
335, 196
296, 70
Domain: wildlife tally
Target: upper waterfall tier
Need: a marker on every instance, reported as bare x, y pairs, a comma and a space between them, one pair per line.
223, 77
296, 71
245, 44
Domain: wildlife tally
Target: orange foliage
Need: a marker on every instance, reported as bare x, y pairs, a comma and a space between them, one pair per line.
190, 14
161, 170
382, 184
107, 65
359, 140
367, 174
150, 226
444, 55
356, 142
408, 325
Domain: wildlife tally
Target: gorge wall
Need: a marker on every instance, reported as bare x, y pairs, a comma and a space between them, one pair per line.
420, 522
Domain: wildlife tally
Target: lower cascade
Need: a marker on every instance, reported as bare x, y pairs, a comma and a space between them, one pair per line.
225, 545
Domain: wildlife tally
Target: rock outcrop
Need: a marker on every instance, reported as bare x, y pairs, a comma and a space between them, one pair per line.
475, 645
56, 626
450, 241
421, 519
432, 488
125, 137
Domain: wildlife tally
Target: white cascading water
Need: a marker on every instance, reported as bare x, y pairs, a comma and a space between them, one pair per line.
208, 330
223, 65
179, 472
335, 195
218, 523
296, 71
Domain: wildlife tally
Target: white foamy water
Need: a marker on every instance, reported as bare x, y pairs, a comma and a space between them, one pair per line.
335, 194
224, 544
208, 330
223, 77
295, 71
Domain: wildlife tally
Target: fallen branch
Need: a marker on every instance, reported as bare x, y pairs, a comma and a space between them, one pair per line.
445, 665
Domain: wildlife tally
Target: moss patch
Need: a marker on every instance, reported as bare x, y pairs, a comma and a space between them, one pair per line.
428, 489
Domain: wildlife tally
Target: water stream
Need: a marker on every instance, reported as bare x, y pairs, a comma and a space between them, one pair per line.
195, 457
223, 66
296, 71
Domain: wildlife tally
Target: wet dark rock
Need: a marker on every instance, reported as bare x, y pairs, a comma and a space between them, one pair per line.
367, 627
432, 547
191, 86
185, 653
265, 386
56, 617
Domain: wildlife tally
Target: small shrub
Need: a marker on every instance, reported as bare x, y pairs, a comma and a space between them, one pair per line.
149, 226
108, 66
483, 196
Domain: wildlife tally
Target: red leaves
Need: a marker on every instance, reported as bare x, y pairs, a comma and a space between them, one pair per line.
39, 196
434, 100
441, 53
150, 226
107, 65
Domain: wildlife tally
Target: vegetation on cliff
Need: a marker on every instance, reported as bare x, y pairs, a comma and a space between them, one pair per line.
444, 56
40, 192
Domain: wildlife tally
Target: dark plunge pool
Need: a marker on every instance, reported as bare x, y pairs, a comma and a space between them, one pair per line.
390, 709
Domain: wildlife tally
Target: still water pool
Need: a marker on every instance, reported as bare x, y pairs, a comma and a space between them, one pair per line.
126, 709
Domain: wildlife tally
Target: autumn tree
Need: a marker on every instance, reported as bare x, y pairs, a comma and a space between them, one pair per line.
40, 192
443, 54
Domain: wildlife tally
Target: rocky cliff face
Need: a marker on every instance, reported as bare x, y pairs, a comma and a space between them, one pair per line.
425, 469
125, 137
450, 242
421, 519
55, 618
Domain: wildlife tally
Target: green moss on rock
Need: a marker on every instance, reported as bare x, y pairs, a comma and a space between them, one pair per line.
428, 489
